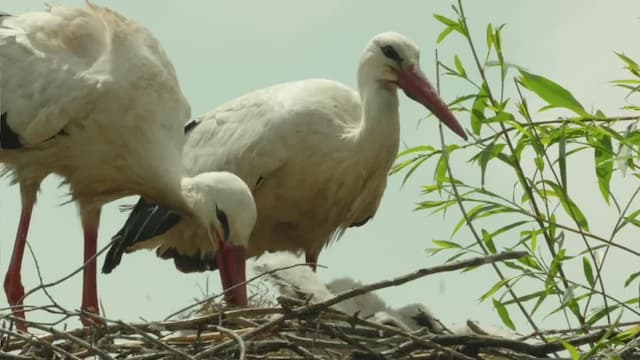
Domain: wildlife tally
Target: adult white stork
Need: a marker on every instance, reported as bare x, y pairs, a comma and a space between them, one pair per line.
316, 153
91, 96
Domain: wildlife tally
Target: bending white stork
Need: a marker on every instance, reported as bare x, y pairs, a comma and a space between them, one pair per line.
91, 96
315, 152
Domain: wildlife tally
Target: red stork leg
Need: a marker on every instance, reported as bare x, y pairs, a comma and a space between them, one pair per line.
13, 280
90, 220
311, 259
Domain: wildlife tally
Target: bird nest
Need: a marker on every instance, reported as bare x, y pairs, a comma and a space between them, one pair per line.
292, 329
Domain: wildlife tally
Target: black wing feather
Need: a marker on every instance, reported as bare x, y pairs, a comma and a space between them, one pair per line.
147, 220
361, 222
9, 139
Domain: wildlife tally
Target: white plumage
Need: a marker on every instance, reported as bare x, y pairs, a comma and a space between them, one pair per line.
316, 153
91, 96
301, 282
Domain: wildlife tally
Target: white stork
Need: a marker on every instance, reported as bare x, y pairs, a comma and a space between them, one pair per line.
316, 153
91, 96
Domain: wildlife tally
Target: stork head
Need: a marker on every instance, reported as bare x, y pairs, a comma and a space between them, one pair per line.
392, 60
223, 203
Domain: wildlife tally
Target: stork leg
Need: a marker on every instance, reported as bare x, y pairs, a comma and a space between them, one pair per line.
13, 279
90, 219
311, 259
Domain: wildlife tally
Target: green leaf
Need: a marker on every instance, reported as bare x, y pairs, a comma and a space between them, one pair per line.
603, 156
555, 95
529, 261
477, 111
485, 155
630, 279
541, 299
588, 271
509, 227
446, 244
555, 267
441, 170
445, 20
504, 314
443, 35
525, 298
489, 36
632, 66
568, 205
459, 67
562, 158
415, 149
488, 240
573, 351
494, 289
602, 312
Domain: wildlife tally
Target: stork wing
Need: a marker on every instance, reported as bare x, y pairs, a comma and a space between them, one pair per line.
50, 71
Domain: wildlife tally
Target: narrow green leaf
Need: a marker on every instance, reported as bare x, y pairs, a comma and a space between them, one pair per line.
602, 312
554, 94
541, 299
534, 241
488, 241
459, 66
445, 20
529, 261
603, 156
587, 270
509, 227
443, 35
632, 66
573, 351
441, 171
525, 298
446, 244
555, 267
415, 149
569, 206
562, 158
489, 36
485, 155
497, 286
630, 279
477, 111
504, 314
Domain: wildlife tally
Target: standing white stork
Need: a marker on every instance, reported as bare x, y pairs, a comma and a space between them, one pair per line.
316, 153
92, 96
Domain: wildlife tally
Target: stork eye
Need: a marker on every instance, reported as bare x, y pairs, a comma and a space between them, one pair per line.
391, 53
224, 222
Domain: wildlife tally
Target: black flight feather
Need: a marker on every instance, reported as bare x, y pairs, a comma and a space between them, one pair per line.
147, 220
8, 138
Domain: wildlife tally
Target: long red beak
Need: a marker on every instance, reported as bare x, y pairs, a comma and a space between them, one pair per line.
416, 86
231, 264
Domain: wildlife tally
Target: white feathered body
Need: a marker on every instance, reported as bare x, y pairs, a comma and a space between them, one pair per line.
314, 165
94, 98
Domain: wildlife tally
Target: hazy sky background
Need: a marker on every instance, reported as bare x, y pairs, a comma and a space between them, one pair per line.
222, 49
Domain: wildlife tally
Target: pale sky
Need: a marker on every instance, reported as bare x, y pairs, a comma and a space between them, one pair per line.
222, 49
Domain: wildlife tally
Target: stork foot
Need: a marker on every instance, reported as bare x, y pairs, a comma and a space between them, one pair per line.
88, 320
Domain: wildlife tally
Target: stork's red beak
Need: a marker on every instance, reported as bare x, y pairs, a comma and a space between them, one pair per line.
417, 87
231, 264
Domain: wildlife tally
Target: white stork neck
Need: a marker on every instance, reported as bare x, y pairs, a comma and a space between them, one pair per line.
380, 118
